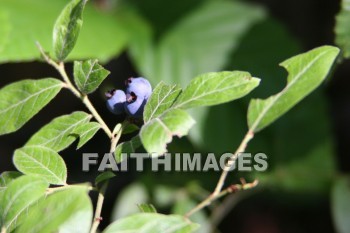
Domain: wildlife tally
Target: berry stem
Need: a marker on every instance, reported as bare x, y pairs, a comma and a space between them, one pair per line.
218, 192
84, 98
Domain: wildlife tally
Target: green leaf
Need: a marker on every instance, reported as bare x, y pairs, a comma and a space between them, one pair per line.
126, 148
152, 223
157, 133
67, 28
19, 195
147, 208
33, 20
341, 204
306, 72
130, 128
4, 30
88, 75
20, 101
57, 135
7, 177
163, 96
342, 30
216, 88
198, 43
104, 177
85, 132
128, 200
42, 161
69, 210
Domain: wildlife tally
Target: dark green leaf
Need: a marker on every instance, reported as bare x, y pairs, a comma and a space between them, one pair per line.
19, 195
147, 208
130, 128
88, 75
85, 132
216, 88
104, 177
306, 72
152, 223
163, 96
126, 148
57, 135
41, 161
341, 204
157, 133
20, 101
67, 28
69, 210
342, 29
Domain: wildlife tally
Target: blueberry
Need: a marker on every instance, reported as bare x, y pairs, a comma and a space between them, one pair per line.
116, 100
134, 105
139, 86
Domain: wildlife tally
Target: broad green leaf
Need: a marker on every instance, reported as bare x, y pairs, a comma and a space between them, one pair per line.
198, 43
306, 72
20, 101
4, 30
126, 148
341, 204
19, 195
104, 177
157, 133
41, 161
152, 223
216, 88
57, 135
7, 177
67, 28
342, 30
147, 208
163, 96
128, 200
130, 128
85, 132
69, 210
33, 20
88, 75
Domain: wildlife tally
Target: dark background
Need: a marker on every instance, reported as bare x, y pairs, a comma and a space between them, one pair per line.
311, 22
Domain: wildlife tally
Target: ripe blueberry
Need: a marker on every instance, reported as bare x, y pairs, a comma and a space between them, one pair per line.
139, 86
134, 105
116, 100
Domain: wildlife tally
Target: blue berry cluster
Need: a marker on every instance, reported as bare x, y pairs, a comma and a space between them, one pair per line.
133, 100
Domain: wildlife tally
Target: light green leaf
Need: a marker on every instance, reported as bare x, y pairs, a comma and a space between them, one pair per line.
104, 177
85, 132
20, 101
216, 88
306, 72
19, 195
67, 28
342, 29
200, 42
163, 96
157, 133
33, 20
88, 75
69, 210
128, 200
147, 208
126, 148
5, 30
152, 223
41, 161
57, 135
7, 177
341, 205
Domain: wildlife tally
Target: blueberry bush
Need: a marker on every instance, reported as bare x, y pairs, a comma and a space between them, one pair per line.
185, 86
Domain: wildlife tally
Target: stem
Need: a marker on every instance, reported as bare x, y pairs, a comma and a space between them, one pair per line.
217, 192
101, 195
62, 71
3, 230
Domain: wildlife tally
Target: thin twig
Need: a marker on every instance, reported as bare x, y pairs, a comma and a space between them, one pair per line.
68, 84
